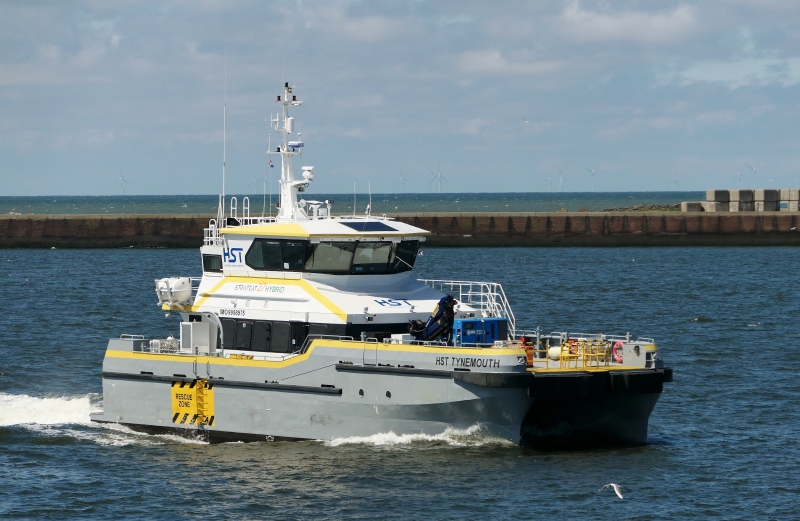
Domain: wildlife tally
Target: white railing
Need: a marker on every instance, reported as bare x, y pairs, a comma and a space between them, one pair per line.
564, 336
487, 297
211, 235
167, 346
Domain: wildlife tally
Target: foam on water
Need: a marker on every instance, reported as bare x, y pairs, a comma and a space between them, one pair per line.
29, 410
473, 436
69, 416
118, 435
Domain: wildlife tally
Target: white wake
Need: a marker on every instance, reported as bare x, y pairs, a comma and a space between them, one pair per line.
69, 416
473, 436
20, 409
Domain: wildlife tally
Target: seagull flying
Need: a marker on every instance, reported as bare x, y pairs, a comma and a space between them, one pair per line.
615, 487
525, 120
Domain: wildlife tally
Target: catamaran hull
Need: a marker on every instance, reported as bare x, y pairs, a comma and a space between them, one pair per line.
552, 411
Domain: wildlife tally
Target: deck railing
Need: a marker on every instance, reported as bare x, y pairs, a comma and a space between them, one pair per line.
487, 297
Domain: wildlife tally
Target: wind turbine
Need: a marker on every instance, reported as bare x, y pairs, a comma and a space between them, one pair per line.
437, 179
740, 175
560, 180
401, 183
755, 174
549, 184
122, 182
674, 184
592, 172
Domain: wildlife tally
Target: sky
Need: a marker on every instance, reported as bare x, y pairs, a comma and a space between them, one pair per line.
502, 96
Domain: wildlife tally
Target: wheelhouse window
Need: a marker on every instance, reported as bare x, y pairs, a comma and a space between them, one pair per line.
404, 255
330, 257
276, 255
265, 254
334, 257
371, 257
294, 255
212, 263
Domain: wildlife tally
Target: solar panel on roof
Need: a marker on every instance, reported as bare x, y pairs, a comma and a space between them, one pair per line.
369, 226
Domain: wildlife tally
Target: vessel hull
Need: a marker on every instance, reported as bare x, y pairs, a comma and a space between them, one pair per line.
547, 411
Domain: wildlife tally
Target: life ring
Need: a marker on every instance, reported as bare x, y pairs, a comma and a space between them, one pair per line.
617, 352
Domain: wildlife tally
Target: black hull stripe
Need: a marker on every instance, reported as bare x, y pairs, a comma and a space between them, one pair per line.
393, 370
217, 382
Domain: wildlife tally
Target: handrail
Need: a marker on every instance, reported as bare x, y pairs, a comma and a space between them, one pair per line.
211, 235
488, 297
311, 338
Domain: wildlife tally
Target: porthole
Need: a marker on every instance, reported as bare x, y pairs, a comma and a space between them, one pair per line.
388, 394
361, 392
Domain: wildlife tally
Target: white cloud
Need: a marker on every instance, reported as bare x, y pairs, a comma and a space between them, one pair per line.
471, 127
356, 102
85, 138
714, 118
493, 62
355, 132
368, 28
638, 125
635, 26
749, 71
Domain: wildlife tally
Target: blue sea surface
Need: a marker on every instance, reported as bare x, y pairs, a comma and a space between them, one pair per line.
343, 203
723, 440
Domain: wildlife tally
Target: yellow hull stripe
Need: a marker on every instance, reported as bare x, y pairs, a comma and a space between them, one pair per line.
294, 230
304, 284
601, 369
356, 346
271, 230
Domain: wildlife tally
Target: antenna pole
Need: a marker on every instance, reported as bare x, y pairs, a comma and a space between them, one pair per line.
224, 121
270, 180
266, 176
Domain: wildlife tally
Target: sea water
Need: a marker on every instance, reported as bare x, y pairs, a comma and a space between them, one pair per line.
343, 203
723, 440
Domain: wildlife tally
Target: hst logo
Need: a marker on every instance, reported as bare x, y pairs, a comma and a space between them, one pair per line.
392, 302
232, 255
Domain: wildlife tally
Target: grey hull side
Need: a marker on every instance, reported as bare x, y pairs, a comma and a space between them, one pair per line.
269, 413
551, 412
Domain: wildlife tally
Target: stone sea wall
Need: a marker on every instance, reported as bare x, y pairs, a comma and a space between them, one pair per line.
448, 229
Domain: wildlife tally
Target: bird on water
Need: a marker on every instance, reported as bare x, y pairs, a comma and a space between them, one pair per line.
615, 487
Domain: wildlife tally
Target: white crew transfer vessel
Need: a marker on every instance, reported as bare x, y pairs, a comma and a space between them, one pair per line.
310, 326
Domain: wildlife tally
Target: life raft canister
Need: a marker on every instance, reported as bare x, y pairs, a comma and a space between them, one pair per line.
617, 352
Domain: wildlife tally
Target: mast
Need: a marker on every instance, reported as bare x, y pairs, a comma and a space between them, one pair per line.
283, 123
221, 205
224, 126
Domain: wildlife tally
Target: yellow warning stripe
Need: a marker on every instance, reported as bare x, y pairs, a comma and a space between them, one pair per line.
305, 285
295, 230
601, 369
354, 345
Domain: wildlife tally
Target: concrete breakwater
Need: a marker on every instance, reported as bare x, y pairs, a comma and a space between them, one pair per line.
448, 229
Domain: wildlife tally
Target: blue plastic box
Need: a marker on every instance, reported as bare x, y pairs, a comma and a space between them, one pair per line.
479, 331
